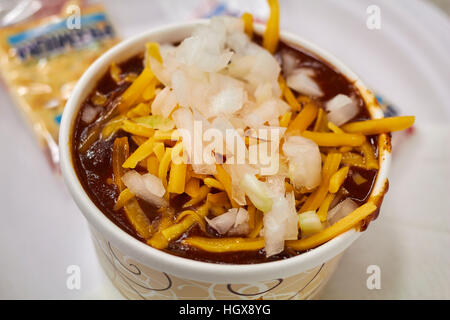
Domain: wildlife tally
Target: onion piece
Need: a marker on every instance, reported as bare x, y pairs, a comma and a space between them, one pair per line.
276, 185
205, 49
263, 92
197, 52
224, 222
257, 192
147, 187
292, 226
274, 228
300, 80
228, 101
233, 222
341, 109
255, 68
89, 114
309, 223
280, 224
290, 62
182, 88
165, 101
305, 164
236, 172
184, 121
268, 111
238, 42
341, 210
164, 70
234, 143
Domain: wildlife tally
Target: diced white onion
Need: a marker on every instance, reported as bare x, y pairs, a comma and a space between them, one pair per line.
234, 143
228, 101
268, 111
276, 185
241, 226
291, 227
256, 68
309, 223
165, 101
233, 222
224, 222
257, 192
289, 62
184, 121
263, 92
300, 80
341, 210
164, 70
280, 224
206, 50
236, 172
147, 187
341, 109
305, 163
181, 87
274, 230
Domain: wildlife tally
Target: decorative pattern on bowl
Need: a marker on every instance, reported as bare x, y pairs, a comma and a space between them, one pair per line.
137, 281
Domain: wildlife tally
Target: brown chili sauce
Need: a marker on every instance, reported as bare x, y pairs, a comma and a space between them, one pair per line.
94, 165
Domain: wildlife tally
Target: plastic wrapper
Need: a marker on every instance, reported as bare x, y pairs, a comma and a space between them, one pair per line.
42, 55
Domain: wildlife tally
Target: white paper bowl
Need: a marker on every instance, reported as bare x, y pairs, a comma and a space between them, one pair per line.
140, 271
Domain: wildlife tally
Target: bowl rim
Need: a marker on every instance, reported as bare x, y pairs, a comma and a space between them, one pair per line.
184, 267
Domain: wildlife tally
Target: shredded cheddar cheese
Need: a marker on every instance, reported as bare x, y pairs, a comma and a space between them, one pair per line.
225, 244
337, 179
248, 24
202, 194
192, 187
377, 126
288, 94
346, 223
272, 33
125, 196
213, 183
328, 139
142, 152
303, 119
330, 166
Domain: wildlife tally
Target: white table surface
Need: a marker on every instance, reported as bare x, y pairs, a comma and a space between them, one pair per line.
42, 232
